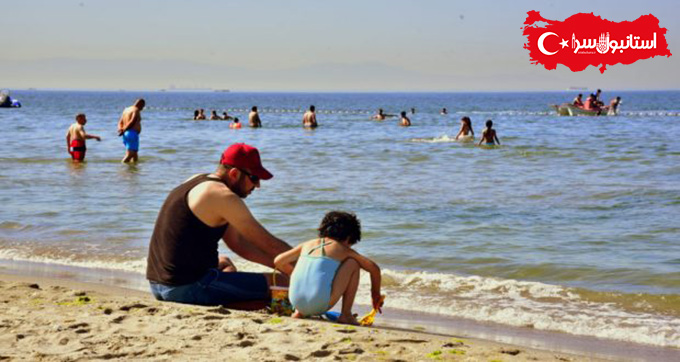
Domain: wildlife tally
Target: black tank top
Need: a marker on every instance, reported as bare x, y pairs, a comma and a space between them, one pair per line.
182, 247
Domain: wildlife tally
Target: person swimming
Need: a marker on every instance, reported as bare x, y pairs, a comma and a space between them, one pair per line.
236, 124
466, 131
489, 135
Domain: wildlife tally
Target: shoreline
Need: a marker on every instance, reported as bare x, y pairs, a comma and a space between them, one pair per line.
56, 319
133, 286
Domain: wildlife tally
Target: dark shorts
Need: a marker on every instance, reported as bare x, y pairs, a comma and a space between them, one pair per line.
216, 288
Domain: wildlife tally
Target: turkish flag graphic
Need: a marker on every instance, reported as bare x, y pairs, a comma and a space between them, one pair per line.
585, 39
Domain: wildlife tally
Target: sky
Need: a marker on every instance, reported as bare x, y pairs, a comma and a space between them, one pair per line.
273, 45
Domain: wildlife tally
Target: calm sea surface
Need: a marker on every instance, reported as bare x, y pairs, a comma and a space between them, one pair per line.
571, 225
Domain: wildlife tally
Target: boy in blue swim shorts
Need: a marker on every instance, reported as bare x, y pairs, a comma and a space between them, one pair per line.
130, 126
328, 268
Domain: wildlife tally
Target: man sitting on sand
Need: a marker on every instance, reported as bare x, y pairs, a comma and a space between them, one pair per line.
489, 137
309, 118
328, 268
183, 265
76, 136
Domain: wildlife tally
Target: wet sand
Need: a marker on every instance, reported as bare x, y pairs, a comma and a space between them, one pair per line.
61, 320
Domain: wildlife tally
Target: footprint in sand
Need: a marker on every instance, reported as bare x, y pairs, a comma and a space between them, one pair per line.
320, 353
246, 343
127, 308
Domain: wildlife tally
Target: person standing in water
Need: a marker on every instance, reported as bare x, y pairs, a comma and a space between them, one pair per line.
614, 106
405, 121
76, 136
254, 118
380, 116
489, 137
309, 118
236, 124
465, 129
129, 127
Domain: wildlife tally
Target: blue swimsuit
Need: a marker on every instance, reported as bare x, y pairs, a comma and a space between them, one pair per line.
312, 281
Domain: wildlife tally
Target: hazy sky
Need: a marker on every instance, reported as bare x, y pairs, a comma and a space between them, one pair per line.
306, 45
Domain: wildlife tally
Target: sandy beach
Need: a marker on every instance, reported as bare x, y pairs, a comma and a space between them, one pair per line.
60, 320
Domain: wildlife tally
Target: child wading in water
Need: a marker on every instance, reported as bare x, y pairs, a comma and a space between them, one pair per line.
328, 268
489, 135
466, 133
76, 136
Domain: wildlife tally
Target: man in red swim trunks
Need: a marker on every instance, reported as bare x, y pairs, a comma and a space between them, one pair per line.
76, 136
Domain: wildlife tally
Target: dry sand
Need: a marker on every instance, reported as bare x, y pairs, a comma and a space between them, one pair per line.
60, 320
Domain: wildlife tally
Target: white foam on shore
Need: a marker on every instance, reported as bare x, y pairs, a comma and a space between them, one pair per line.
135, 266
508, 302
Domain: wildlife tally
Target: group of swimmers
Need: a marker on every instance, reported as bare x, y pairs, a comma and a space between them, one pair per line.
466, 133
129, 128
253, 118
593, 103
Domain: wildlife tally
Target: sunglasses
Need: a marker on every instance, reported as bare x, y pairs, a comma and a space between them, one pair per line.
254, 179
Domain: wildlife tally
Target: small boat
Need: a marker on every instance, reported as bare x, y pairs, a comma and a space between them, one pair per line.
7, 102
568, 109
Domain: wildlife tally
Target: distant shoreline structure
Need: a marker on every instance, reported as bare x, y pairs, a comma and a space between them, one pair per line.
172, 88
572, 88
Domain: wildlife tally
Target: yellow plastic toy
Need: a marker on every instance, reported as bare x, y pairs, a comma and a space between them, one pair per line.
369, 318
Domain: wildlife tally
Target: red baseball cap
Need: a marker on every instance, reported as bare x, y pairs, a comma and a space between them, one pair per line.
245, 157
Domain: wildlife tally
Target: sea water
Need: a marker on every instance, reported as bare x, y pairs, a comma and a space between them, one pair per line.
570, 225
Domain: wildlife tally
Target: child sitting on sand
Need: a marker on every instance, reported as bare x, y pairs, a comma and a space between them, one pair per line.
328, 268
489, 135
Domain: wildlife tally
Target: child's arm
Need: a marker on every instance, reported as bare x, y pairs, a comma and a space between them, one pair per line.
496, 137
284, 261
68, 141
459, 132
90, 136
373, 269
482, 139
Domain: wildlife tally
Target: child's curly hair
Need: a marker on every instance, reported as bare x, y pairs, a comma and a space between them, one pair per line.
340, 225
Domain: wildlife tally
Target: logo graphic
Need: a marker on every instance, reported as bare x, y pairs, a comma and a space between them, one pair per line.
594, 41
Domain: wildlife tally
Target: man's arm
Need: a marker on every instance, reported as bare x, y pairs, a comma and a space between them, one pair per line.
245, 235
